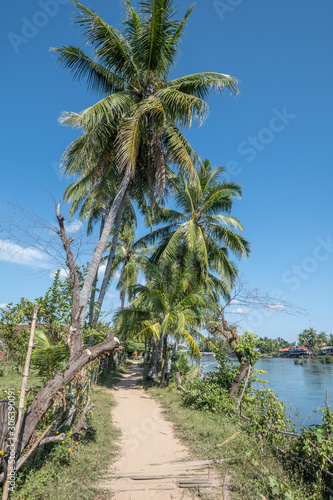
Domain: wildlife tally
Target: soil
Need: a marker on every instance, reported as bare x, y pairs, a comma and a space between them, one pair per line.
151, 463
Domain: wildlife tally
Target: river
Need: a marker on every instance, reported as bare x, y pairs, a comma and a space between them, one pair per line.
301, 388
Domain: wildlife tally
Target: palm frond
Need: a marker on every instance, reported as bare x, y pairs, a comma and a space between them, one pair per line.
111, 48
203, 84
81, 66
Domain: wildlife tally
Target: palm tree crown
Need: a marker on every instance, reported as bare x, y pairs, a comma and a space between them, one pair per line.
141, 111
201, 230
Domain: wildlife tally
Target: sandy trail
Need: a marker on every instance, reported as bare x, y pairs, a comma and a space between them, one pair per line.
148, 444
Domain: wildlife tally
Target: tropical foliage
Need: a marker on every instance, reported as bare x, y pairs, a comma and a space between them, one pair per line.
200, 233
313, 340
132, 135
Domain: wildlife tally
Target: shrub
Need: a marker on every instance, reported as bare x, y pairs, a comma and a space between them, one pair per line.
181, 364
206, 395
267, 414
315, 447
327, 358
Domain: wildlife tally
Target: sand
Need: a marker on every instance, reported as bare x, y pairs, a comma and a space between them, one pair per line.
147, 467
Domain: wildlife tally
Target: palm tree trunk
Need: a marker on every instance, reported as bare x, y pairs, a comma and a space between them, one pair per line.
107, 271
93, 290
175, 348
95, 262
149, 350
145, 353
171, 360
164, 356
152, 372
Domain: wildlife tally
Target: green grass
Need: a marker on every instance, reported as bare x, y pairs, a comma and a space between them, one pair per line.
60, 475
11, 379
254, 470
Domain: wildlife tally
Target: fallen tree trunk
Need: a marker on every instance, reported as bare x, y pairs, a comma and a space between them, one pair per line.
47, 394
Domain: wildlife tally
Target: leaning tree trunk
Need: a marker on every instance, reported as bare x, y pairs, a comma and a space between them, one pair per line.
233, 339
93, 289
109, 263
243, 371
96, 260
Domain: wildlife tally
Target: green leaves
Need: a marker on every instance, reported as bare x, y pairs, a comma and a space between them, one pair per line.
138, 118
48, 355
202, 84
111, 48
165, 305
199, 231
82, 66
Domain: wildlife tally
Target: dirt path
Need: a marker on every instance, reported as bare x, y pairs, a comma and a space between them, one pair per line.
152, 463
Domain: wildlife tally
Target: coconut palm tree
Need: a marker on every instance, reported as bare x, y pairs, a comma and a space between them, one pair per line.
166, 305
135, 126
48, 355
201, 230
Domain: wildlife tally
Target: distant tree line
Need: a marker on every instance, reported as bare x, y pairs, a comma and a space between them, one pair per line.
313, 340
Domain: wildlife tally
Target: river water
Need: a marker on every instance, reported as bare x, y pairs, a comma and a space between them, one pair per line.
301, 388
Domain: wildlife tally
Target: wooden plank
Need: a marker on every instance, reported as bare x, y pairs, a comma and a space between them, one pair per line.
158, 476
195, 462
199, 481
194, 485
115, 489
226, 487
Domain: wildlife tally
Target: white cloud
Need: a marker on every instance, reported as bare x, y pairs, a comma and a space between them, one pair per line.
3, 306
234, 302
73, 227
240, 310
276, 307
28, 256
64, 273
101, 271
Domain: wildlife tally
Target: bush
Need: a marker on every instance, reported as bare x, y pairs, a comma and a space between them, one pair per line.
181, 364
315, 447
327, 358
300, 361
207, 396
267, 414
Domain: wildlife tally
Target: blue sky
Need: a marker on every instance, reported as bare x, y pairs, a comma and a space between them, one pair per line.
274, 139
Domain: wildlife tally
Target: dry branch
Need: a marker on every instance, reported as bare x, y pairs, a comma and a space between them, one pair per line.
228, 440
